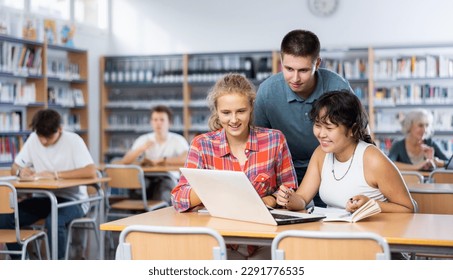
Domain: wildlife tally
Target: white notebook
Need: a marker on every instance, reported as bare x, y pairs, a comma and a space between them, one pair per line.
340, 215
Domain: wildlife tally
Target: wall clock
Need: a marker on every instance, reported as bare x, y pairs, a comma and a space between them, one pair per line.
323, 8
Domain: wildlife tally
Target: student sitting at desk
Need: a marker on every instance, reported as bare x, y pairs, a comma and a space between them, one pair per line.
50, 152
160, 147
417, 151
235, 144
347, 168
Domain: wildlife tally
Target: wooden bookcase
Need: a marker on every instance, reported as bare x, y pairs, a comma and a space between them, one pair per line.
408, 77
196, 73
33, 76
132, 85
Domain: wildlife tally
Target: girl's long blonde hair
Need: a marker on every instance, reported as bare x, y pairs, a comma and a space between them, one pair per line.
228, 84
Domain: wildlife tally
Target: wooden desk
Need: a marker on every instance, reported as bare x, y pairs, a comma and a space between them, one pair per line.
46, 187
423, 173
423, 233
433, 198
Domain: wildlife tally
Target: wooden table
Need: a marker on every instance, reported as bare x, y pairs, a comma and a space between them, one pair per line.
433, 198
46, 187
423, 233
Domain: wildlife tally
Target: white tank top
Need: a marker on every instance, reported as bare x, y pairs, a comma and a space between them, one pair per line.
336, 193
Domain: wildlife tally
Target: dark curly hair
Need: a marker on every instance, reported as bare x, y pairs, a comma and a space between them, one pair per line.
343, 108
46, 122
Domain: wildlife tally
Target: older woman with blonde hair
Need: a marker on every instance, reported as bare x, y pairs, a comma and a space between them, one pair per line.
417, 150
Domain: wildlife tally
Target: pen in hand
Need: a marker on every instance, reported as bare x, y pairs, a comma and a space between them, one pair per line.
311, 210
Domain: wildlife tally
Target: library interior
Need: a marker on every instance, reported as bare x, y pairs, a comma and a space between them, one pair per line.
133, 80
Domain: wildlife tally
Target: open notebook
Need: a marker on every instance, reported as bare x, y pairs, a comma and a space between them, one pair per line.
370, 208
230, 195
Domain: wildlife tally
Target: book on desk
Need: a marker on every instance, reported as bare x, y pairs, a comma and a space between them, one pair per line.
370, 208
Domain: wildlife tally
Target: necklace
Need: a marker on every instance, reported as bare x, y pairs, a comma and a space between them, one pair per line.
349, 167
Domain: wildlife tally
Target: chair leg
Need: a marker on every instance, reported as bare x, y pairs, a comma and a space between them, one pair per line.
37, 244
68, 241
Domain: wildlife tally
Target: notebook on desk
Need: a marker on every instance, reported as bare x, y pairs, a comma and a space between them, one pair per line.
230, 195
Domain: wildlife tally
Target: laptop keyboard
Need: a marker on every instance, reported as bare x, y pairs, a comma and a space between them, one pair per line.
282, 217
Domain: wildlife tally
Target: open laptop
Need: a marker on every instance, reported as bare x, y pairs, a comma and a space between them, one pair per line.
230, 195
449, 165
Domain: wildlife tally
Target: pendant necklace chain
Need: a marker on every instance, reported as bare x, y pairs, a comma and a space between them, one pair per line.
349, 167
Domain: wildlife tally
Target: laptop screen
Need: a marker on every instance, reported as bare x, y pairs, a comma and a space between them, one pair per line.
449, 165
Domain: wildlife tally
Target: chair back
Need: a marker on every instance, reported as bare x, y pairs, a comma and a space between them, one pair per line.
8, 204
125, 176
8, 198
412, 177
441, 176
170, 243
317, 245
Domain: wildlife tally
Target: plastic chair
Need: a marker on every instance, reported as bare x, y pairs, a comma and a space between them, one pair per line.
128, 177
90, 221
140, 242
412, 177
317, 245
441, 176
9, 205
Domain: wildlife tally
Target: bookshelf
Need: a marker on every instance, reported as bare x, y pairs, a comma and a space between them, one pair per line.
29, 83
352, 64
132, 85
203, 71
388, 80
407, 77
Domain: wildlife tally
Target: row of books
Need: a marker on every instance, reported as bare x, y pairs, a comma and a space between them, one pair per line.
39, 29
20, 59
10, 121
145, 95
416, 66
348, 68
385, 143
390, 120
137, 121
17, 92
62, 69
143, 70
65, 96
71, 122
120, 144
423, 94
208, 68
9, 147
202, 68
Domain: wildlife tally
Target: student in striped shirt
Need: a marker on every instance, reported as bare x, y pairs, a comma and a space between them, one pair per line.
235, 144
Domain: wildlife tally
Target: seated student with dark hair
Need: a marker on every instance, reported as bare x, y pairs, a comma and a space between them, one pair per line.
347, 168
51, 152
